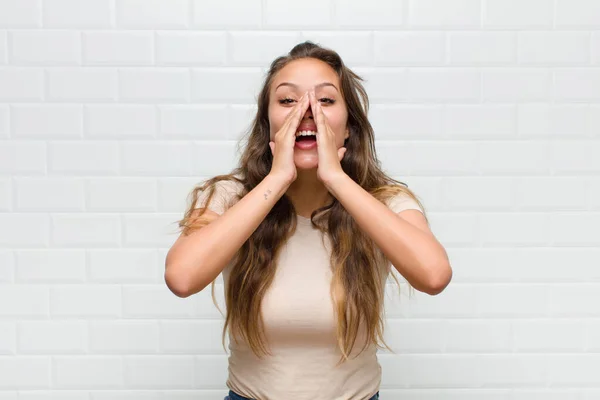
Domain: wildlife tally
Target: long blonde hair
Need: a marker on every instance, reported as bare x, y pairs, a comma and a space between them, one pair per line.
357, 263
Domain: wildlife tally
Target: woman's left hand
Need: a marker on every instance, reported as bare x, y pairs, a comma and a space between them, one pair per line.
329, 166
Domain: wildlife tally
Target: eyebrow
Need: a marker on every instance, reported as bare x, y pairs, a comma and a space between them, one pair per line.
316, 86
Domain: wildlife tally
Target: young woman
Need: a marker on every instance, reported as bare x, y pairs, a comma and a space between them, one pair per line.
305, 231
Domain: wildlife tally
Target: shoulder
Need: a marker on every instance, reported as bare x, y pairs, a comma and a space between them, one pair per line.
405, 199
226, 193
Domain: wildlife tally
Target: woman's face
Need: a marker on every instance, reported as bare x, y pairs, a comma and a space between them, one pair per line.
290, 84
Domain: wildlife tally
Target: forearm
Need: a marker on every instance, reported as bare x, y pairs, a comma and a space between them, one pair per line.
203, 254
415, 253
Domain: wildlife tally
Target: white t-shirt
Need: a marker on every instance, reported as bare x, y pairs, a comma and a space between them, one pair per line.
300, 326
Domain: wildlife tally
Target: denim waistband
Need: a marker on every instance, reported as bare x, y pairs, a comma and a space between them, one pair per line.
234, 396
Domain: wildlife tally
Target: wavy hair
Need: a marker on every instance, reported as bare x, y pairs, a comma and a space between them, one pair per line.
358, 265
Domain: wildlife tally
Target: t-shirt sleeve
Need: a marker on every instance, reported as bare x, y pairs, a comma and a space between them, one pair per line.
403, 201
224, 194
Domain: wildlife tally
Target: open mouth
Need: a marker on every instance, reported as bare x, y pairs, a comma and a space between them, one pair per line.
303, 136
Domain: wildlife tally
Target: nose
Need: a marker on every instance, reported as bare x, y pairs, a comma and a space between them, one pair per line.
308, 112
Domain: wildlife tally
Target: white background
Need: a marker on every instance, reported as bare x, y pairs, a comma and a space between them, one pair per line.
112, 110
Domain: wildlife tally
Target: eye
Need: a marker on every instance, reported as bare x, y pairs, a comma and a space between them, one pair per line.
328, 100
287, 100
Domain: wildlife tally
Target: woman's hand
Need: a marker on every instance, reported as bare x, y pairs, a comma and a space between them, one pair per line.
329, 166
285, 141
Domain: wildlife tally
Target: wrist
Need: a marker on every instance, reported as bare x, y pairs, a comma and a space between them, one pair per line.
279, 180
336, 180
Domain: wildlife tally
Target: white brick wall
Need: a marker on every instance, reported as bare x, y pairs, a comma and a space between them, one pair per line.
111, 110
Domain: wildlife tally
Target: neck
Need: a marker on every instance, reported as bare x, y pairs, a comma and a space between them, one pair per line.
307, 193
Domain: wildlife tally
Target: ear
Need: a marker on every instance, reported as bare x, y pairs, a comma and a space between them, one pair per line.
347, 134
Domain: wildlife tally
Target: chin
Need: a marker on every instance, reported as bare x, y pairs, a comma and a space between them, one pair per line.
306, 163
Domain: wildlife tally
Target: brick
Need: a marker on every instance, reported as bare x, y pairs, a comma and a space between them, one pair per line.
410, 48
165, 371
555, 120
446, 158
123, 266
385, 84
23, 157
157, 158
489, 336
23, 301
20, 85
437, 84
482, 48
86, 230
444, 13
221, 155
498, 229
595, 48
554, 48
398, 121
527, 300
475, 121
51, 266
221, 85
4, 121
20, 14
8, 339
513, 158
355, 48
527, 265
577, 85
574, 299
47, 121
540, 194
52, 337
289, 15
87, 85
140, 230
85, 300
181, 337
516, 85
3, 48
59, 194
205, 122
127, 337
361, 14
77, 14
135, 194
574, 156
247, 15
575, 229
546, 335
118, 48
26, 158
191, 48
577, 14
156, 301
76, 372
78, 158
120, 121
260, 48
154, 85
25, 372
515, 14
477, 193
7, 269
154, 14
45, 48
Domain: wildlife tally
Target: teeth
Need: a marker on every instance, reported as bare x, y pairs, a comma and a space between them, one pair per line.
306, 133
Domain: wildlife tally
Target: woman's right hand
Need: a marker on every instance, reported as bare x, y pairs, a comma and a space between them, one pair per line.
282, 148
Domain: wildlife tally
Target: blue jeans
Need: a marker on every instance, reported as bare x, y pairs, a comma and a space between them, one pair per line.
234, 396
